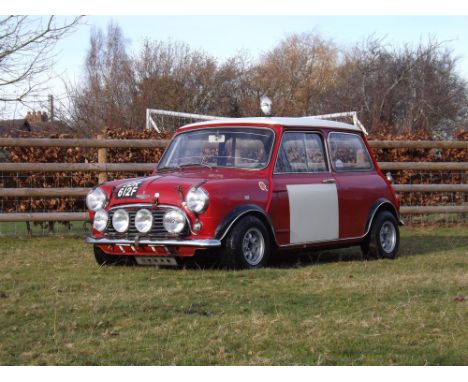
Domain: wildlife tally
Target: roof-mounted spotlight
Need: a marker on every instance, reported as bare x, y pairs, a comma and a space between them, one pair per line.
265, 105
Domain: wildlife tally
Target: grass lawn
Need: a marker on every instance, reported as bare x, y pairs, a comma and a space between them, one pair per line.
57, 307
42, 228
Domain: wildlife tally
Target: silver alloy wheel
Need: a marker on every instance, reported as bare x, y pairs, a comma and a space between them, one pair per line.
388, 237
253, 246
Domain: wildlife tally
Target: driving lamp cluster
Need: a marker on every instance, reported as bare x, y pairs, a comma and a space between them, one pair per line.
173, 221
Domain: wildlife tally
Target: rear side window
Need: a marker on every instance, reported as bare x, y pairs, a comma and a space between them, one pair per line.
301, 152
348, 152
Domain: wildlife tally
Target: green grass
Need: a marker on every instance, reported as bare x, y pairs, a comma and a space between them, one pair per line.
42, 228
57, 307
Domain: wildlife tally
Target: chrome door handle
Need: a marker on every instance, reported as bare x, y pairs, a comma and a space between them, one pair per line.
329, 181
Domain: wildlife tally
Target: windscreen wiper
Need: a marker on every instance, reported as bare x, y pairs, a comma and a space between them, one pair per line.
196, 164
168, 168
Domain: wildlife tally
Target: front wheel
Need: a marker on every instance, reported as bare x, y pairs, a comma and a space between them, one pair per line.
383, 239
247, 245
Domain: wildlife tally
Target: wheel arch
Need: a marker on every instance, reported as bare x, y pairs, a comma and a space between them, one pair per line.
239, 212
379, 206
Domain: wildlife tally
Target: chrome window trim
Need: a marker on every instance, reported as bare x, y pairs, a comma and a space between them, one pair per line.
372, 167
325, 152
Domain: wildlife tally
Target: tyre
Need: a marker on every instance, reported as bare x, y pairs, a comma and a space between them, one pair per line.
247, 245
383, 239
103, 258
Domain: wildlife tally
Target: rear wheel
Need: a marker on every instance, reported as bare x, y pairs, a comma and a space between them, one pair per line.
247, 245
103, 258
383, 239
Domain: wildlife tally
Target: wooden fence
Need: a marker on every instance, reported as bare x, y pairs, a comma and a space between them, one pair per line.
102, 167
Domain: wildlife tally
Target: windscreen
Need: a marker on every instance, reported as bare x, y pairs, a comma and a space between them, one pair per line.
245, 148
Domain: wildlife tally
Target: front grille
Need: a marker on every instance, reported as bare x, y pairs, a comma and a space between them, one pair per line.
157, 230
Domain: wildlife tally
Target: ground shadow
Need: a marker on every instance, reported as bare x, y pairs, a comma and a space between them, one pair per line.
414, 245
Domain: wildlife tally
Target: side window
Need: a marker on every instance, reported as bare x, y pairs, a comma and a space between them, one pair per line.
315, 153
291, 156
250, 152
348, 152
301, 152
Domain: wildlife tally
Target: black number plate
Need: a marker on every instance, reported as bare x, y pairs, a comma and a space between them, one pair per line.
128, 190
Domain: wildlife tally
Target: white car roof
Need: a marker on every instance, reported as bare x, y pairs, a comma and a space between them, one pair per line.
284, 121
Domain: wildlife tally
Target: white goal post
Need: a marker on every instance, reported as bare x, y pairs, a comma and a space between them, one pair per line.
155, 118
151, 123
352, 114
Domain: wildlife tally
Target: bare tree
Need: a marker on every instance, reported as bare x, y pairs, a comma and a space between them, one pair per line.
105, 98
407, 88
297, 74
26, 54
402, 88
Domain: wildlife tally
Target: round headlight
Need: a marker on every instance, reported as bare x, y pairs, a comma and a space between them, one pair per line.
100, 220
197, 200
174, 221
96, 199
143, 220
120, 220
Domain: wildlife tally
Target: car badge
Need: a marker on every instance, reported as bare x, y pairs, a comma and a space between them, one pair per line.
142, 196
262, 186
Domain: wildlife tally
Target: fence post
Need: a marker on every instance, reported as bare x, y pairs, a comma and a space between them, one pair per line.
102, 158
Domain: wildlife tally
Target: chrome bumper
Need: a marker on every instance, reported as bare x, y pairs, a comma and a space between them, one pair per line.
177, 243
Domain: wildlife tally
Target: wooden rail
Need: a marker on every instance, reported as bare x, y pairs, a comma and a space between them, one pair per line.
82, 142
426, 166
142, 167
82, 191
432, 209
430, 187
73, 167
103, 168
419, 144
44, 216
83, 216
44, 192
161, 143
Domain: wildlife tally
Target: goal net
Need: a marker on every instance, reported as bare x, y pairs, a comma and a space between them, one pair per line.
167, 120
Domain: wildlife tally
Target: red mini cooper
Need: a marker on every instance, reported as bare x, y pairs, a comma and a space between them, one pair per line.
244, 188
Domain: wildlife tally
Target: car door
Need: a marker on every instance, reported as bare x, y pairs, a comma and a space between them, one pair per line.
358, 184
304, 206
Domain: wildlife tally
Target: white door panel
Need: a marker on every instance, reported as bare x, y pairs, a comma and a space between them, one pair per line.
313, 212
